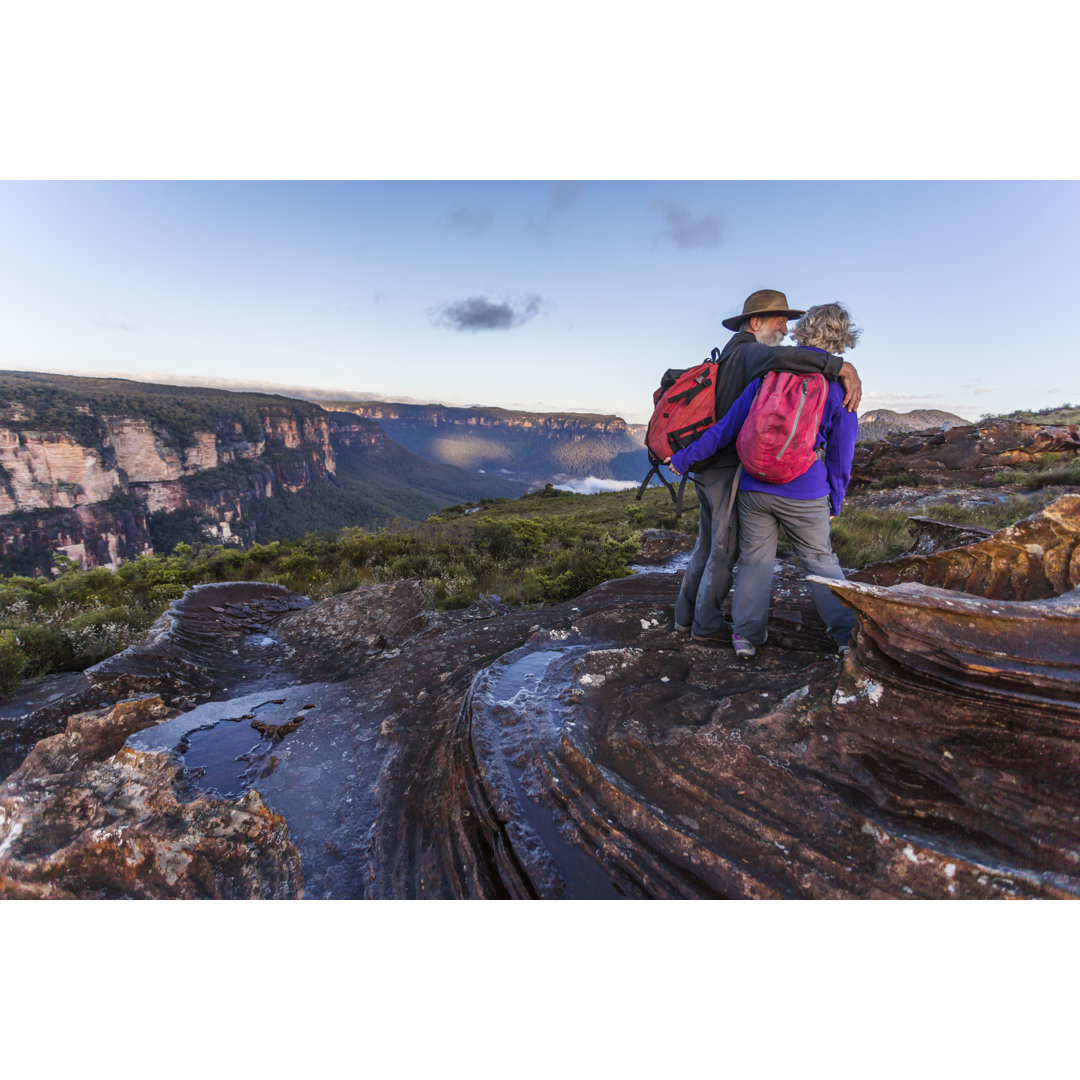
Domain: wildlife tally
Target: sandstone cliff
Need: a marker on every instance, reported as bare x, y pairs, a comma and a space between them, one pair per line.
530, 446
100, 470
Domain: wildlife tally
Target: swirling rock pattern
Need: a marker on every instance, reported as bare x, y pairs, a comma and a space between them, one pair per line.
367, 747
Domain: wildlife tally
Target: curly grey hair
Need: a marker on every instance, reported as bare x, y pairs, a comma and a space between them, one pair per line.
826, 326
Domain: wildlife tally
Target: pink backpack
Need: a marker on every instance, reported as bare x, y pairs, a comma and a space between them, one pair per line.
776, 444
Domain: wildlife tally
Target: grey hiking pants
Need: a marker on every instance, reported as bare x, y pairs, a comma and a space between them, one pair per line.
806, 522
707, 579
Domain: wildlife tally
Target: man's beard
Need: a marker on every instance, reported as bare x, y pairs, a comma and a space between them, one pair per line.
773, 339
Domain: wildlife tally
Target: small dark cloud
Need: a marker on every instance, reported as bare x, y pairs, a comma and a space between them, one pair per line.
472, 220
561, 196
109, 324
686, 230
977, 388
1055, 390
478, 313
379, 297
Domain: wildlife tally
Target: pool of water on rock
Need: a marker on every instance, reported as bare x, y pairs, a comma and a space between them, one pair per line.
226, 757
519, 681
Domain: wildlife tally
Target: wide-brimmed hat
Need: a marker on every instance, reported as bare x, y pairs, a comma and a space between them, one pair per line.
763, 302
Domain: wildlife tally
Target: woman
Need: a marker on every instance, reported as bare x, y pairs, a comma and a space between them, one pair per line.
804, 506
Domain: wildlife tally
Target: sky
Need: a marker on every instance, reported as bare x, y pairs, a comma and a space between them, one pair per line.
543, 296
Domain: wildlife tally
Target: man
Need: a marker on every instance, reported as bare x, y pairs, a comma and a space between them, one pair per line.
754, 350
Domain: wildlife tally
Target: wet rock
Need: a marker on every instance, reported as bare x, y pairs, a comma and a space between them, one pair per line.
86, 817
202, 645
659, 545
40, 709
587, 749
339, 633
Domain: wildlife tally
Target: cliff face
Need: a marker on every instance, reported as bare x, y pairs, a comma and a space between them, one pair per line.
102, 470
448, 416
529, 446
84, 464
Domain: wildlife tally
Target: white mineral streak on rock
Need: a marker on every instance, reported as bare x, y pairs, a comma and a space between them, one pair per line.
950, 870
795, 695
664, 678
872, 830
909, 854
12, 836
865, 688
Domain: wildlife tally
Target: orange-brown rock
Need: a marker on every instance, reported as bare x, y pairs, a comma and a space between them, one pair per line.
588, 749
1036, 558
971, 455
84, 817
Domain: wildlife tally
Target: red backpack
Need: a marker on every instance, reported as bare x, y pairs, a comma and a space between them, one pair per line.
684, 408
776, 443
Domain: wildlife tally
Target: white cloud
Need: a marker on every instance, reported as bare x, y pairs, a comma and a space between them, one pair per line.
591, 485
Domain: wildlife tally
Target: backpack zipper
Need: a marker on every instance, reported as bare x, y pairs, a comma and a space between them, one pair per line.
795, 422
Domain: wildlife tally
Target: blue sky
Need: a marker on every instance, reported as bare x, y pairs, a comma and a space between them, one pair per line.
538, 295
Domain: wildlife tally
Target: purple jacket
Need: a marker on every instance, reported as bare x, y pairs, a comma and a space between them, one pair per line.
837, 433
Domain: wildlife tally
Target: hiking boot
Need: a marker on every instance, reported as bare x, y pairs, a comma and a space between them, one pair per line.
680, 629
744, 648
717, 637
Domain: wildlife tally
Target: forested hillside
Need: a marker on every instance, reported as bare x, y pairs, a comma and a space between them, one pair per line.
528, 447
99, 470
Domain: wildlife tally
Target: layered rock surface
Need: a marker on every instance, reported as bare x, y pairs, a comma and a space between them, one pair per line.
971, 455
367, 747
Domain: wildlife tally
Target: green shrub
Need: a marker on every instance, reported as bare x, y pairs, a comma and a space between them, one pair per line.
860, 537
893, 480
13, 661
511, 538
995, 515
582, 567
1066, 474
46, 648
163, 594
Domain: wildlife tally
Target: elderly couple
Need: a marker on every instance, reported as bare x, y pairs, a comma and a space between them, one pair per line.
748, 526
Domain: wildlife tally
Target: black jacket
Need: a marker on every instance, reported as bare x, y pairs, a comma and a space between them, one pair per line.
743, 360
